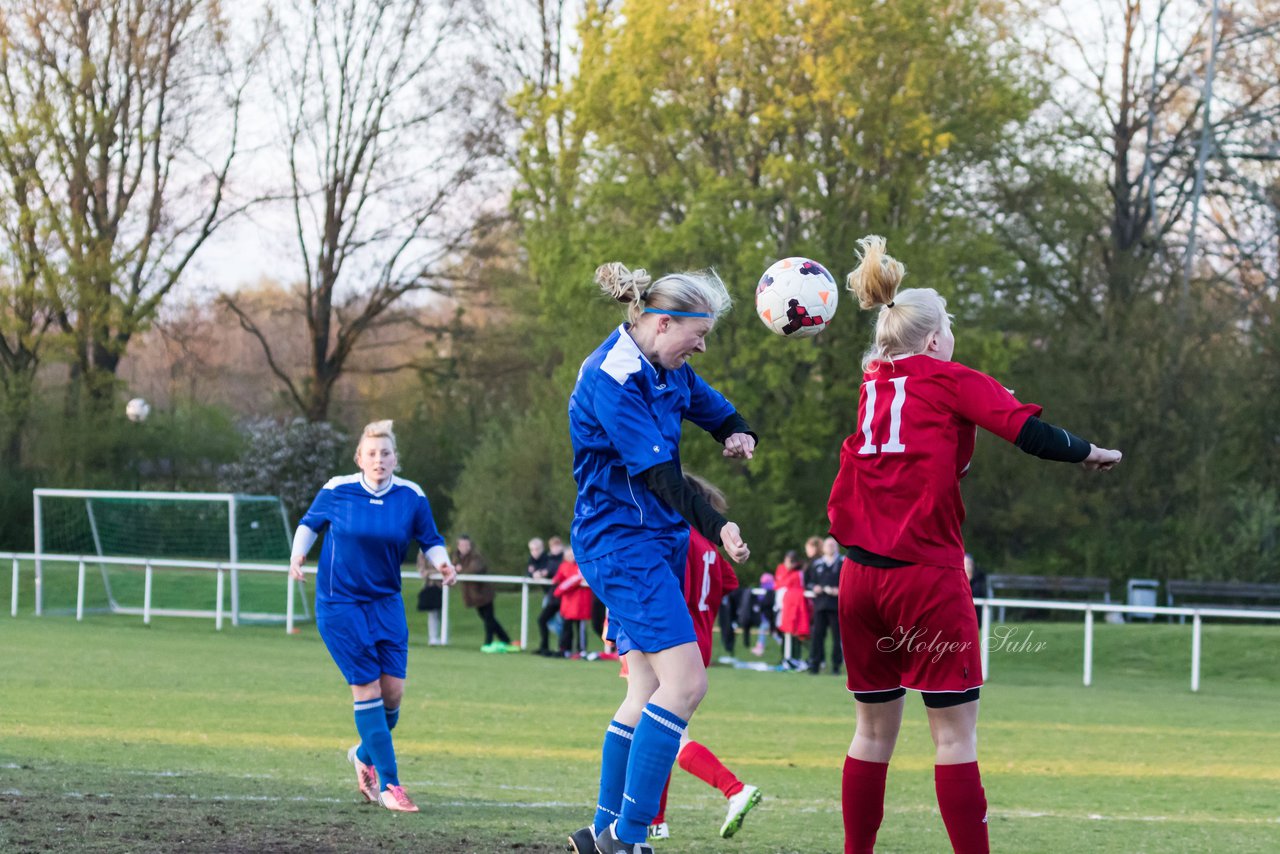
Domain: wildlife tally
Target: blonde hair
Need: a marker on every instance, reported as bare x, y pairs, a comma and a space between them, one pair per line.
709, 491
376, 430
907, 318
701, 292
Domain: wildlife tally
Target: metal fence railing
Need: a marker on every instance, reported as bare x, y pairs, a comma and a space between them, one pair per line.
223, 569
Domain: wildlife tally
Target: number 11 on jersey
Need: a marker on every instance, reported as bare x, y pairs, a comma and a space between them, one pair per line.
894, 445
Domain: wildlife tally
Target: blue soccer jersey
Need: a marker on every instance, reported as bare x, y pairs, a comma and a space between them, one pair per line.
625, 416
368, 535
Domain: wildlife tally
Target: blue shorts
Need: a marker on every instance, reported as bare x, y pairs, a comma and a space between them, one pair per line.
366, 639
642, 588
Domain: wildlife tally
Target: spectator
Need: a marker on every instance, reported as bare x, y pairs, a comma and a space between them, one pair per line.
730, 607
758, 610
430, 600
793, 608
575, 605
480, 595
541, 568
555, 557
555, 552
977, 579
812, 550
822, 579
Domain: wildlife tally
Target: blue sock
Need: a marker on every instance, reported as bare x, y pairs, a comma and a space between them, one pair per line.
393, 718
613, 774
653, 752
375, 738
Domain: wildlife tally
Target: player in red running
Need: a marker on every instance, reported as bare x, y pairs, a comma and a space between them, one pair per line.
906, 614
707, 578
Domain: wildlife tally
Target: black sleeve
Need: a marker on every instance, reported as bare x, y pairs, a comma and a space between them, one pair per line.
1044, 440
666, 481
735, 423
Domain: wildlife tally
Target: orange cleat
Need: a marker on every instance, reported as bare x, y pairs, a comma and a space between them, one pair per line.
394, 798
366, 776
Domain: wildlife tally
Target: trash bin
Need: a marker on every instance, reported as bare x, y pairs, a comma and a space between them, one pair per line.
1143, 592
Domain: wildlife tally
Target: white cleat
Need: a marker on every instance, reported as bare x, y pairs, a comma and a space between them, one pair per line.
739, 805
659, 831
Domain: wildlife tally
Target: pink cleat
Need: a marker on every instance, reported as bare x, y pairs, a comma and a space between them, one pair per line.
394, 798
366, 776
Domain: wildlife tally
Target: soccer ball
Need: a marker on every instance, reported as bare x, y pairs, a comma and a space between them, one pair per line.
137, 410
797, 297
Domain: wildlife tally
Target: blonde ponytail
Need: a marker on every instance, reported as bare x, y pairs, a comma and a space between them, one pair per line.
876, 279
908, 317
696, 292
622, 284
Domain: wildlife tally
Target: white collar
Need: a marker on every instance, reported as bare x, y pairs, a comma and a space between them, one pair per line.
377, 493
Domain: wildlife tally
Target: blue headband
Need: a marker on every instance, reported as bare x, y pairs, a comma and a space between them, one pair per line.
677, 313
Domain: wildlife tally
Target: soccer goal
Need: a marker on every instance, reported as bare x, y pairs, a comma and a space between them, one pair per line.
162, 553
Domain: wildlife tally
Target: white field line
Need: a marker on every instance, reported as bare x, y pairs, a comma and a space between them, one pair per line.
794, 806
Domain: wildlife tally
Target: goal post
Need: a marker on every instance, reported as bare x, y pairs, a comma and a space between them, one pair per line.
203, 530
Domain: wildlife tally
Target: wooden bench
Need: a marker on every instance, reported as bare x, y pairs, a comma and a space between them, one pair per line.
1043, 586
1229, 594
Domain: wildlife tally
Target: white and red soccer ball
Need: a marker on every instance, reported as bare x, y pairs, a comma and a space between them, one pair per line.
797, 297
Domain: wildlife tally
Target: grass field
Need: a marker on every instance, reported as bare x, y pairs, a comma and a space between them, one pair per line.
119, 737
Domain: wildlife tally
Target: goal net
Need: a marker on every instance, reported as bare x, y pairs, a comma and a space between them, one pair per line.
185, 536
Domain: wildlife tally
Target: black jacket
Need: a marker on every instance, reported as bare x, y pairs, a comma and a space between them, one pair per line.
823, 574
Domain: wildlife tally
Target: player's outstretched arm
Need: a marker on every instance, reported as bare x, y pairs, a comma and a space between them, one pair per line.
1101, 459
1050, 442
740, 445
734, 545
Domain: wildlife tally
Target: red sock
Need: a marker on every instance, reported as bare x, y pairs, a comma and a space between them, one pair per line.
662, 804
704, 765
862, 799
964, 806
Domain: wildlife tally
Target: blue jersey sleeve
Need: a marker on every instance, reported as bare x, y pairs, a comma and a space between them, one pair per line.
319, 515
424, 525
627, 419
708, 408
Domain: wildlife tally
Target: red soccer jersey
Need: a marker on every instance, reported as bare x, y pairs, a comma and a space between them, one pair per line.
707, 577
898, 490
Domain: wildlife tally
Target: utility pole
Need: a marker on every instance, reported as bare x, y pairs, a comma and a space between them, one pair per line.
1202, 155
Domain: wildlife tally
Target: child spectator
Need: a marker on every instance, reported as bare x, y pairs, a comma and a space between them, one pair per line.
758, 610
430, 600
575, 605
793, 608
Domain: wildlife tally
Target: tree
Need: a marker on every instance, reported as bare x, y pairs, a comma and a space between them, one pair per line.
1096, 197
734, 139
118, 128
291, 459
385, 145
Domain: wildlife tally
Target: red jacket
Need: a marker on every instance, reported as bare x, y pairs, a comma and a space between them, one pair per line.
574, 594
793, 617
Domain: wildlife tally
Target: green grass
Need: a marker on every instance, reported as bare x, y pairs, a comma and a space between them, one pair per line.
119, 737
